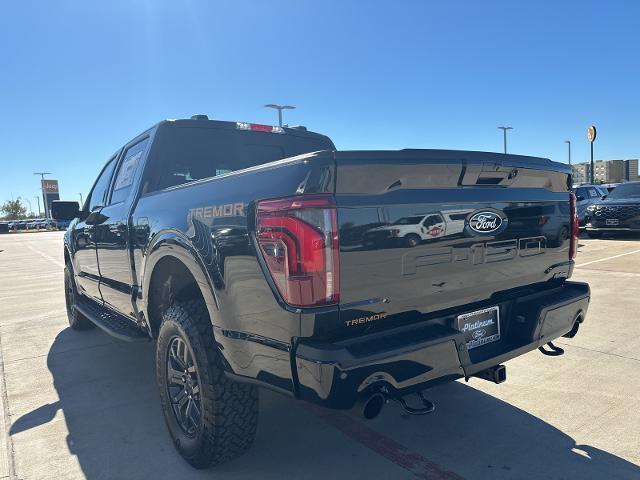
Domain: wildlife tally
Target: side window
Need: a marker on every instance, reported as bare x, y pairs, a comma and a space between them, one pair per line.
126, 172
580, 192
102, 185
593, 193
432, 220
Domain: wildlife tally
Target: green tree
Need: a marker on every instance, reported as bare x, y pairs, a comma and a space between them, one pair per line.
13, 209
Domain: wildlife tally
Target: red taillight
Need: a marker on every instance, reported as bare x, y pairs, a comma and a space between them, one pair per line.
298, 239
575, 227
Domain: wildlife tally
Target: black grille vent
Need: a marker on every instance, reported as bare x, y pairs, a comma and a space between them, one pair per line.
621, 212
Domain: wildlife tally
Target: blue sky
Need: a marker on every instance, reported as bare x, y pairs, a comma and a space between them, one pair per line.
78, 79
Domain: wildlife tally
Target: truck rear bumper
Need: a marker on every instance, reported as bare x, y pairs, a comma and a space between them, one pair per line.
417, 356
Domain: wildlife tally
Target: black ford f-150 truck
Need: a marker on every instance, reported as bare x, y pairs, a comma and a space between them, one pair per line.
239, 248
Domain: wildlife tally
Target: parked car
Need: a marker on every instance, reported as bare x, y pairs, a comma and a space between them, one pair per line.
62, 224
415, 229
48, 224
618, 212
222, 240
587, 195
552, 222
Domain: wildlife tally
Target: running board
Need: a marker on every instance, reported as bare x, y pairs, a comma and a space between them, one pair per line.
111, 322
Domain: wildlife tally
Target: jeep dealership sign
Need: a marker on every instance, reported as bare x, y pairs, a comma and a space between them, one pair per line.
50, 193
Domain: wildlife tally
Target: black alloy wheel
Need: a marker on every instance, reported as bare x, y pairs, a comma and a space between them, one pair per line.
183, 386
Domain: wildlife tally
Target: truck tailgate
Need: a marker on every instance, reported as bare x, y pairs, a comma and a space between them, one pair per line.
422, 231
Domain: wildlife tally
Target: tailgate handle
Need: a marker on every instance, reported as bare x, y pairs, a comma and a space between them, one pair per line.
489, 174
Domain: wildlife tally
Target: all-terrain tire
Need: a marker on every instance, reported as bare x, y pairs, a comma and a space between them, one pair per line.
228, 410
77, 321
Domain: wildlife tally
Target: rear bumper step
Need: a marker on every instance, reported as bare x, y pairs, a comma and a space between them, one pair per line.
409, 359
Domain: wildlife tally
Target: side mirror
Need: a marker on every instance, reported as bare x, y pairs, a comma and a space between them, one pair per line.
64, 210
579, 198
604, 196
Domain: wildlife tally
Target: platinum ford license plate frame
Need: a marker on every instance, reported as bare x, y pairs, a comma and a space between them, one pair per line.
479, 332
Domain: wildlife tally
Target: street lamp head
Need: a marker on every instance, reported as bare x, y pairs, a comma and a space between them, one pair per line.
506, 128
279, 107
567, 141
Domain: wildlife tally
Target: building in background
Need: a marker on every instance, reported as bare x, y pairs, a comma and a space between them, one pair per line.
606, 171
580, 173
609, 171
632, 173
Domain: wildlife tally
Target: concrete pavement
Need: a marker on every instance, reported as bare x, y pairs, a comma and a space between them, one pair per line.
83, 405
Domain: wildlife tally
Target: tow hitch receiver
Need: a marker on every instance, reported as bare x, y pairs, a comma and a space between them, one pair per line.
497, 374
554, 352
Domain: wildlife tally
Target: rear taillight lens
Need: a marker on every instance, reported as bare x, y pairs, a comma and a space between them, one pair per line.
298, 239
575, 227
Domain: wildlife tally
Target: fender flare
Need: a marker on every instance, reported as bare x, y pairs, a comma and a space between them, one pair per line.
173, 243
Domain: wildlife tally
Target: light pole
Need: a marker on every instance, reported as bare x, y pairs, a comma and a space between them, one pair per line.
38, 199
591, 136
30, 207
504, 133
81, 203
279, 108
44, 197
568, 142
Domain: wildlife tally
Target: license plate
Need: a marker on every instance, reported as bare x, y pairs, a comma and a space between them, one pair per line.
612, 221
480, 327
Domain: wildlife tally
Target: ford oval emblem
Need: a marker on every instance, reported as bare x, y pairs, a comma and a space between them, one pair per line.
478, 334
486, 222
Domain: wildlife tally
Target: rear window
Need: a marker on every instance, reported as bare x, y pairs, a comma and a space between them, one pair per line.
185, 154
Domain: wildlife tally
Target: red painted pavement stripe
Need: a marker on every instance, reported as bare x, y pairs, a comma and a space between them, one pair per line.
413, 462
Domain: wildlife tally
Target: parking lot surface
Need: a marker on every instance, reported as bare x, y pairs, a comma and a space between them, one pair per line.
83, 405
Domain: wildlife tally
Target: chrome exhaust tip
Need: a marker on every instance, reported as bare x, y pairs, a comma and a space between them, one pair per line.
372, 406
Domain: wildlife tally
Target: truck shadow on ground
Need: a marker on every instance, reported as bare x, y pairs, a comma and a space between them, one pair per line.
109, 399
